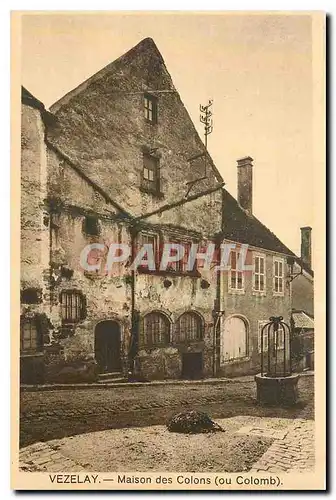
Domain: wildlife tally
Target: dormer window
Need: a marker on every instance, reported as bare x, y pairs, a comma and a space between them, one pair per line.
150, 106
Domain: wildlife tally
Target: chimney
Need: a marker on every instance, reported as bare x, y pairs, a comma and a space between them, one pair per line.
244, 166
306, 245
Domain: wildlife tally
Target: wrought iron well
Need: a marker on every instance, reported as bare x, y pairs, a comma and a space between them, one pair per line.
276, 384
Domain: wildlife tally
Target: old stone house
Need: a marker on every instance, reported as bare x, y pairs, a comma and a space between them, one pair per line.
118, 161
118, 158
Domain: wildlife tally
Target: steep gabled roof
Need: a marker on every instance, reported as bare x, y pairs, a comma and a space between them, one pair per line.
146, 45
244, 228
100, 123
29, 99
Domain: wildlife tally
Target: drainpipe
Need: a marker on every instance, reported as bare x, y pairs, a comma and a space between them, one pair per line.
134, 319
217, 314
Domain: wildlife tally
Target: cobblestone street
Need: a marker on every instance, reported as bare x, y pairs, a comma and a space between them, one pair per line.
280, 439
47, 415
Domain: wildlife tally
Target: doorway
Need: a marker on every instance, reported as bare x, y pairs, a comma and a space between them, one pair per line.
192, 365
107, 346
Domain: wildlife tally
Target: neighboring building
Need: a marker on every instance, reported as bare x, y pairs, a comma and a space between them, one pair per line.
303, 303
118, 160
34, 252
249, 298
303, 342
303, 284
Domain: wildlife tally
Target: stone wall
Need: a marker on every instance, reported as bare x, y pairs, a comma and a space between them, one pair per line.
34, 250
102, 126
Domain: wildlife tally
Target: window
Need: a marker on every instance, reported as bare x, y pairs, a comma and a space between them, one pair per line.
236, 277
259, 274
152, 240
150, 106
182, 264
30, 336
189, 328
150, 174
233, 339
278, 337
72, 306
261, 324
278, 276
91, 225
31, 296
156, 329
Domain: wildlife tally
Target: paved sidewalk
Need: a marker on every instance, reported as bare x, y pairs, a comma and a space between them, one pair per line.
294, 452
41, 457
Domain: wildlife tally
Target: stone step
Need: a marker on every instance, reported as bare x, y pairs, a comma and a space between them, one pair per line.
120, 380
113, 377
110, 375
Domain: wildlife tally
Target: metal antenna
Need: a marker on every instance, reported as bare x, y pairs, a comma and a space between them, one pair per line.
205, 118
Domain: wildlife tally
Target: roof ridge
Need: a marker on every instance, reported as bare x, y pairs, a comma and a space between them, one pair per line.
144, 44
249, 219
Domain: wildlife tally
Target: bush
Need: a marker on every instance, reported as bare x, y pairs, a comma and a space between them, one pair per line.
192, 422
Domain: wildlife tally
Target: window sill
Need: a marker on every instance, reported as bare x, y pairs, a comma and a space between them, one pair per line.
235, 361
186, 343
154, 193
278, 294
279, 349
151, 122
259, 293
175, 345
235, 291
73, 324
151, 347
171, 274
35, 354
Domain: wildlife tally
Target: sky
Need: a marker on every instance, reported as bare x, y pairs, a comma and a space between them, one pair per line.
256, 68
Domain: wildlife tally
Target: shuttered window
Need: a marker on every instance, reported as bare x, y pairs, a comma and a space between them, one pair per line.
233, 340
259, 273
278, 276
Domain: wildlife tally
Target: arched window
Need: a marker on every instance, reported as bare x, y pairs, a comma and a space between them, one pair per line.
233, 340
156, 329
189, 328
